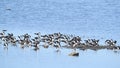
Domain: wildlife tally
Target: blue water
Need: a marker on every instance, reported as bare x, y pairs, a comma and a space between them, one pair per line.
99, 19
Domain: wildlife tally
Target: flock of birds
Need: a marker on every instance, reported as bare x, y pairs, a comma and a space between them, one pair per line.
56, 40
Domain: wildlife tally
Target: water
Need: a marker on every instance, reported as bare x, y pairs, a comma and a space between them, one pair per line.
87, 18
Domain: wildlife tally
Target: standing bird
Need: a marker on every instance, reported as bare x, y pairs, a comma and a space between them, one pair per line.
35, 44
111, 42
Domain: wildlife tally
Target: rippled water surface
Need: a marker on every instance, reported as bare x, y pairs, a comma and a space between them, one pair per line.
99, 19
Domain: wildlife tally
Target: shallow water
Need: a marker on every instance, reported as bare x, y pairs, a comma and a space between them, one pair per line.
87, 18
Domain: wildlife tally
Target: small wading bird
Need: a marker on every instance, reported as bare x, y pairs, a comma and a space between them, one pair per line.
111, 42
5, 44
2, 34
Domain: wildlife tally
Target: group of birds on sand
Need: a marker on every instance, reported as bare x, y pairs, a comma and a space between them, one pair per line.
55, 40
